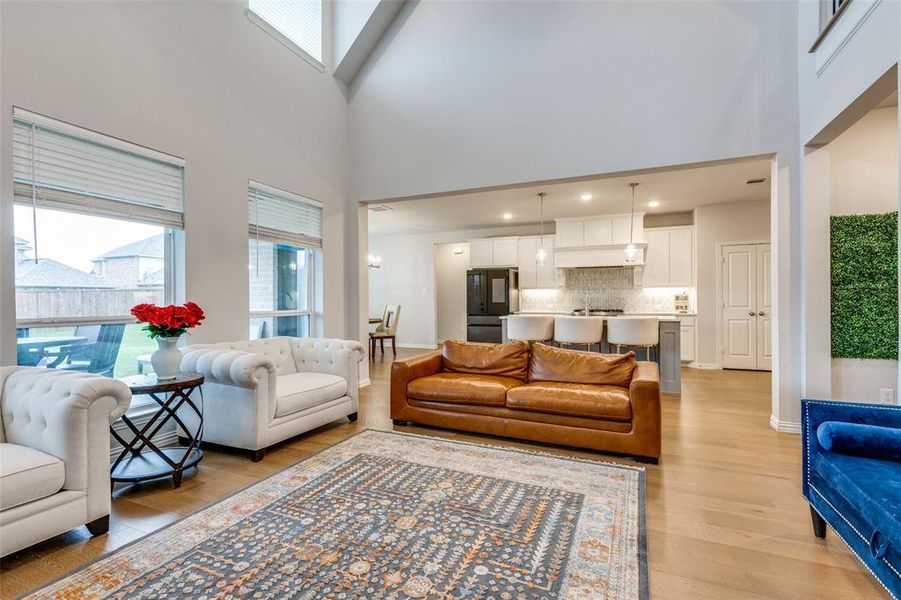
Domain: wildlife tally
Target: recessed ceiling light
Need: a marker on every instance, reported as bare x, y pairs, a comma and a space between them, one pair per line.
585, 197
507, 216
654, 203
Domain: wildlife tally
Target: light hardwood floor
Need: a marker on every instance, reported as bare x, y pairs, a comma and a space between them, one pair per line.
726, 519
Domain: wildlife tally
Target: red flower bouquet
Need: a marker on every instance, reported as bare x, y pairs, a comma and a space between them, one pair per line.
168, 321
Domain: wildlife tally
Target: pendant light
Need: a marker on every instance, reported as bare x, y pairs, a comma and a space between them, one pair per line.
541, 255
631, 250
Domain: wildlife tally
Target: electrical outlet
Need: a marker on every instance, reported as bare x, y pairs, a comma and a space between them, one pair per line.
887, 396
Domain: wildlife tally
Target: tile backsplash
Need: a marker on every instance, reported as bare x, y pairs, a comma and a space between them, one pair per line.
611, 287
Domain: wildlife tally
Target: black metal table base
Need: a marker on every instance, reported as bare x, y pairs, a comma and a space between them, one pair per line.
141, 459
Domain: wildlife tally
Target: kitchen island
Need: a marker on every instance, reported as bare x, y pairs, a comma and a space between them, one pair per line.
667, 353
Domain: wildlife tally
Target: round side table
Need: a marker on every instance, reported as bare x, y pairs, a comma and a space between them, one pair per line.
141, 459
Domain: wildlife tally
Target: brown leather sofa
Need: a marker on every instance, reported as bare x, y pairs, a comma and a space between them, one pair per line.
567, 397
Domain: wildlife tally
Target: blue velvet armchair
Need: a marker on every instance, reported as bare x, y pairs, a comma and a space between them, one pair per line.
852, 480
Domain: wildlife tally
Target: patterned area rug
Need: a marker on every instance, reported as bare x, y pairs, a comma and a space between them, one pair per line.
388, 515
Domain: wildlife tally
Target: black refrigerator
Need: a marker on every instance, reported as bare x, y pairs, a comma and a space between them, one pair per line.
490, 294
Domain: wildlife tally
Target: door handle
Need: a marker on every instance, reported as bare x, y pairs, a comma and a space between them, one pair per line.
751, 314
761, 314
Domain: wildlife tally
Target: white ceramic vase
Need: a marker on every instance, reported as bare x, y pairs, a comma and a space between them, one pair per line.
166, 358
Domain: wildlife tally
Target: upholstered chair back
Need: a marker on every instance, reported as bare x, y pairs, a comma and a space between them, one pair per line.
388, 326
325, 355
277, 349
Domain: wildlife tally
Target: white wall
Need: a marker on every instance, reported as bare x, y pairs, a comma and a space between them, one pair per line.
863, 165
830, 98
450, 290
200, 81
718, 224
545, 90
408, 277
863, 176
534, 93
350, 17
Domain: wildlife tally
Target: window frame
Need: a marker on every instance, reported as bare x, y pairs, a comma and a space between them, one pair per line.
312, 265
293, 46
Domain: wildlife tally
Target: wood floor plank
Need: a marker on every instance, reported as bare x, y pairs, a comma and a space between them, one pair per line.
726, 519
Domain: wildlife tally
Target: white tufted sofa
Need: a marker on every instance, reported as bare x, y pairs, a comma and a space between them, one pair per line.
54, 452
260, 392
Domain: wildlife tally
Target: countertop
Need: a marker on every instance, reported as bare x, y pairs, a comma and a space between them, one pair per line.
673, 316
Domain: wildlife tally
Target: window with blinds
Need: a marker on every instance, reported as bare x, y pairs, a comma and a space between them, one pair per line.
296, 23
63, 167
284, 218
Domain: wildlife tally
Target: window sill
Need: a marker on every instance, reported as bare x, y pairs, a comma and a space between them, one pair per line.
262, 24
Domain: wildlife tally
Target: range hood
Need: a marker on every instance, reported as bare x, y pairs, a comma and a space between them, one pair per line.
611, 255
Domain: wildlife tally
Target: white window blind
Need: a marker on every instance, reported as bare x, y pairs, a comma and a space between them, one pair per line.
299, 21
284, 218
63, 167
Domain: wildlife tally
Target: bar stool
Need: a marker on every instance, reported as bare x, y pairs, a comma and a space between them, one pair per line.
634, 331
530, 328
579, 330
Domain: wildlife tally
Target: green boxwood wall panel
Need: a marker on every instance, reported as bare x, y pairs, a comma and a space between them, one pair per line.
864, 272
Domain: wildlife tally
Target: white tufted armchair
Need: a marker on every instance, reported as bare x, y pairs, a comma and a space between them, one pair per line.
260, 392
54, 452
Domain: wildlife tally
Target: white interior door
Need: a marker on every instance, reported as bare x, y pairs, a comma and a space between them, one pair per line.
764, 312
739, 310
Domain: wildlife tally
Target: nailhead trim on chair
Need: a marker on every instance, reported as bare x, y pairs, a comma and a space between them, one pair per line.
810, 436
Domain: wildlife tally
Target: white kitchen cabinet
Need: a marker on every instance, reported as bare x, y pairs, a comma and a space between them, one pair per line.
669, 259
602, 230
531, 274
570, 233
481, 253
657, 258
527, 248
504, 251
493, 252
682, 257
687, 342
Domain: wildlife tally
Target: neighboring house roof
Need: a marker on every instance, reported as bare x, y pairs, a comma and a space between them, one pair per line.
48, 273
151, 247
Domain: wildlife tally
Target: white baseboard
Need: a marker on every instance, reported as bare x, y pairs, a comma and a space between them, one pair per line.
418, 346
784, 426
365, 382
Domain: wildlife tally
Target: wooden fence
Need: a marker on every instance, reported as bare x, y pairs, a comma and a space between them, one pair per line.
65, 303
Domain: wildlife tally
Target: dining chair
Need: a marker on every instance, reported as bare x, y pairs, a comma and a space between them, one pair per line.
387, 329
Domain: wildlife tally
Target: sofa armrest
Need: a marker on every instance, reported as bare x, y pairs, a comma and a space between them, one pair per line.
644, 393
66, 414
815, 412
405, 371
228, 367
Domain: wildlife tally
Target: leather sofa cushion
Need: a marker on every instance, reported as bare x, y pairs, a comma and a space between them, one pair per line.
300, 391
504, 360
462, 388
27, 475
572, 399
572, 366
